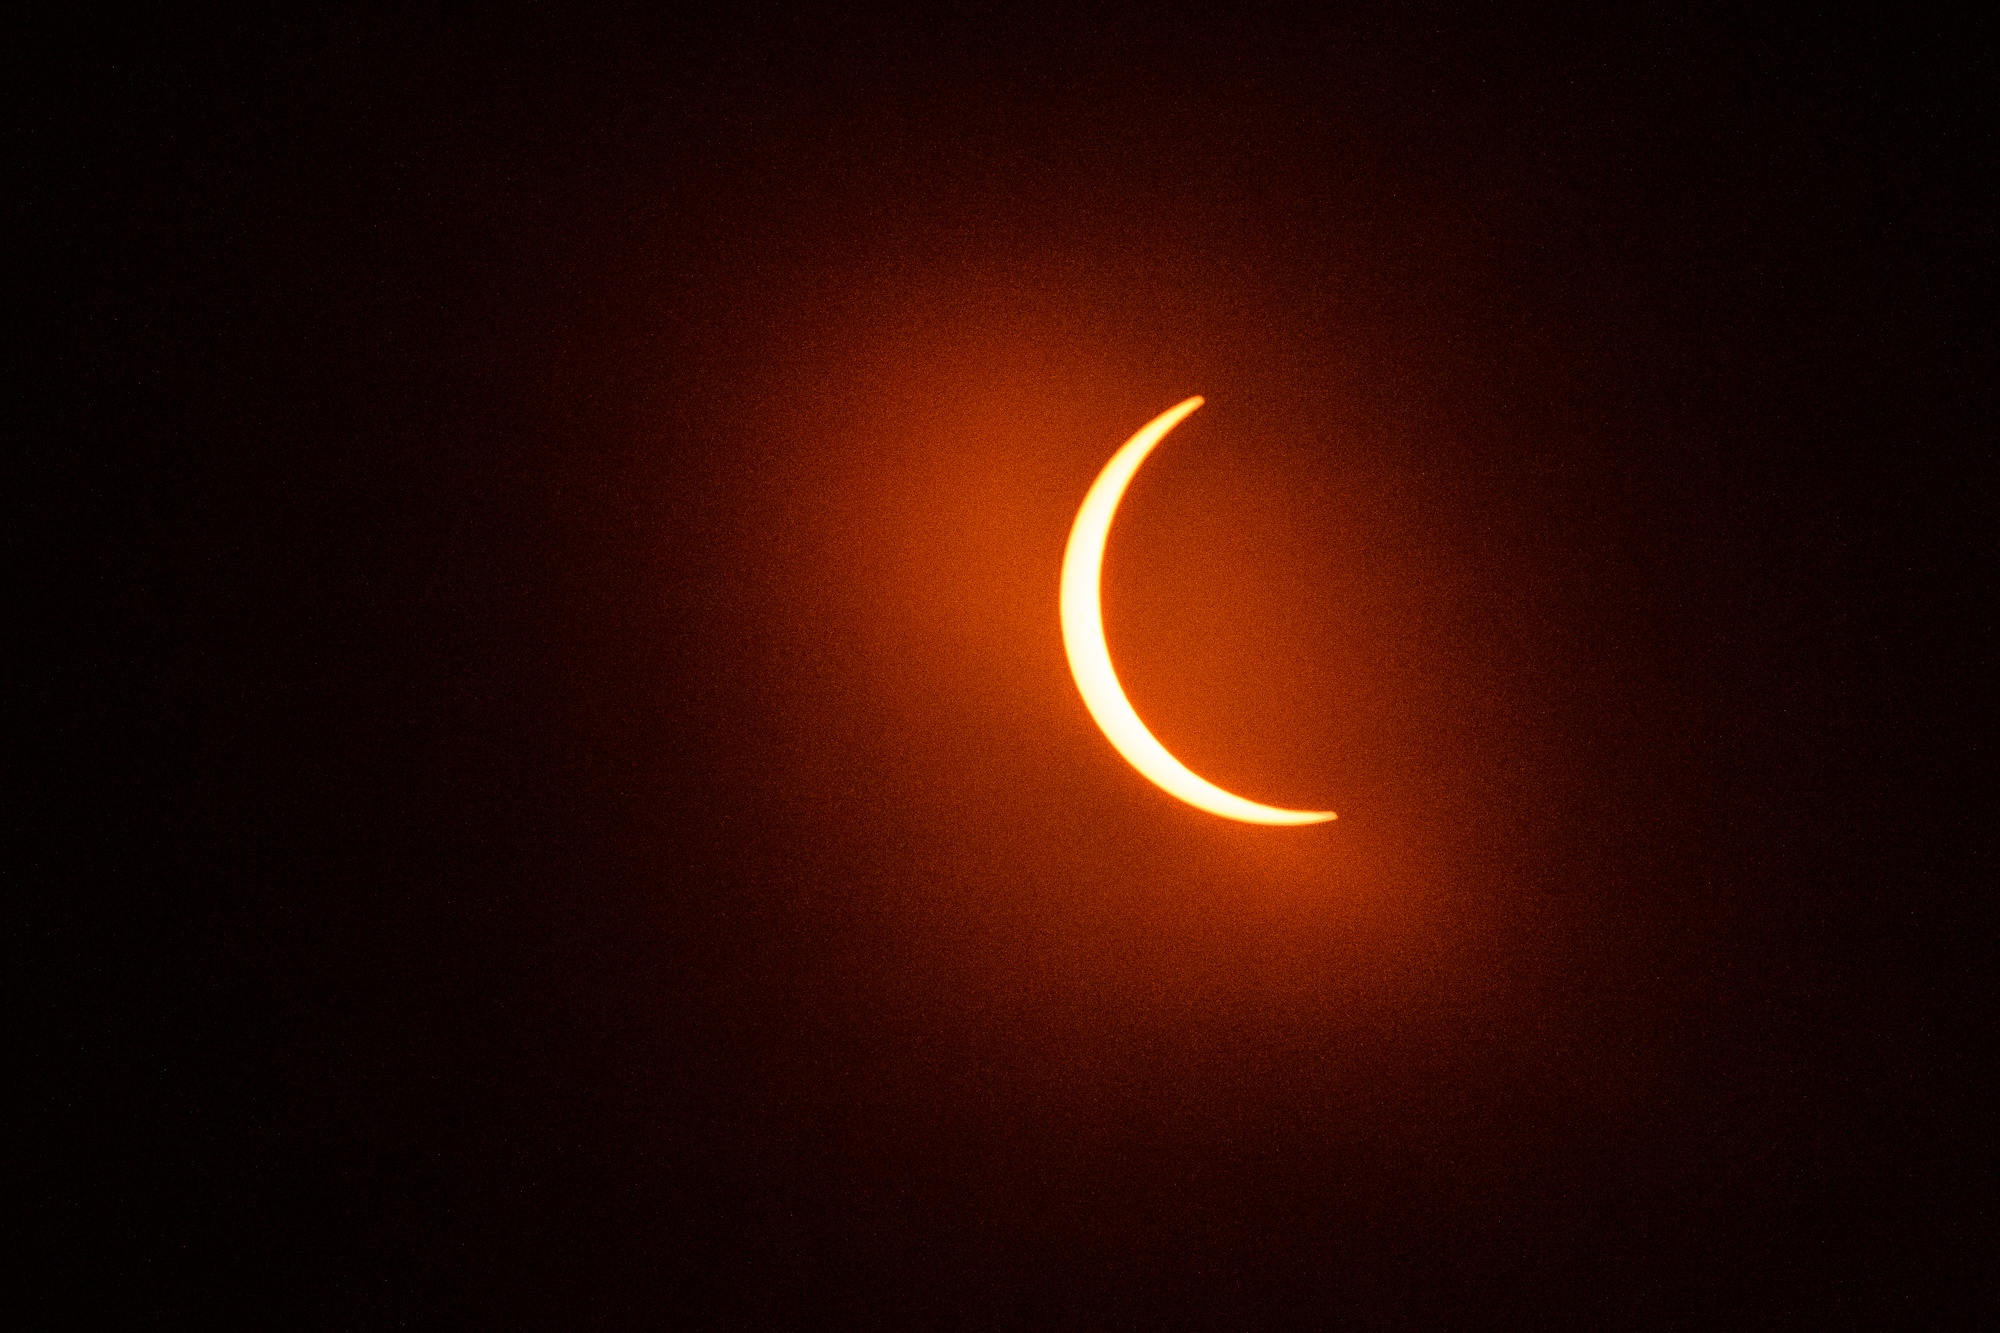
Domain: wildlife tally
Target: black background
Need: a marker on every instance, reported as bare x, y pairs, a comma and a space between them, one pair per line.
565, 807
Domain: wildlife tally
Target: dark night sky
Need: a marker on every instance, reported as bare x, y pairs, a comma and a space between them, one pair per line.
567, 807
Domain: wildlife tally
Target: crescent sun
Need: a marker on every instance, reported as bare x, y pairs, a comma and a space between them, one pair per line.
1090, 657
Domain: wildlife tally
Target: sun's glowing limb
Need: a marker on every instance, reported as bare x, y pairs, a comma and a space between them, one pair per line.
1090, 657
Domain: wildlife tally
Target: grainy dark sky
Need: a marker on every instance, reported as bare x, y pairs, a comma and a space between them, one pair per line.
569, 808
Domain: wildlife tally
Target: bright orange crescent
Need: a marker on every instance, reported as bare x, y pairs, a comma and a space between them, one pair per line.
1090, 658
